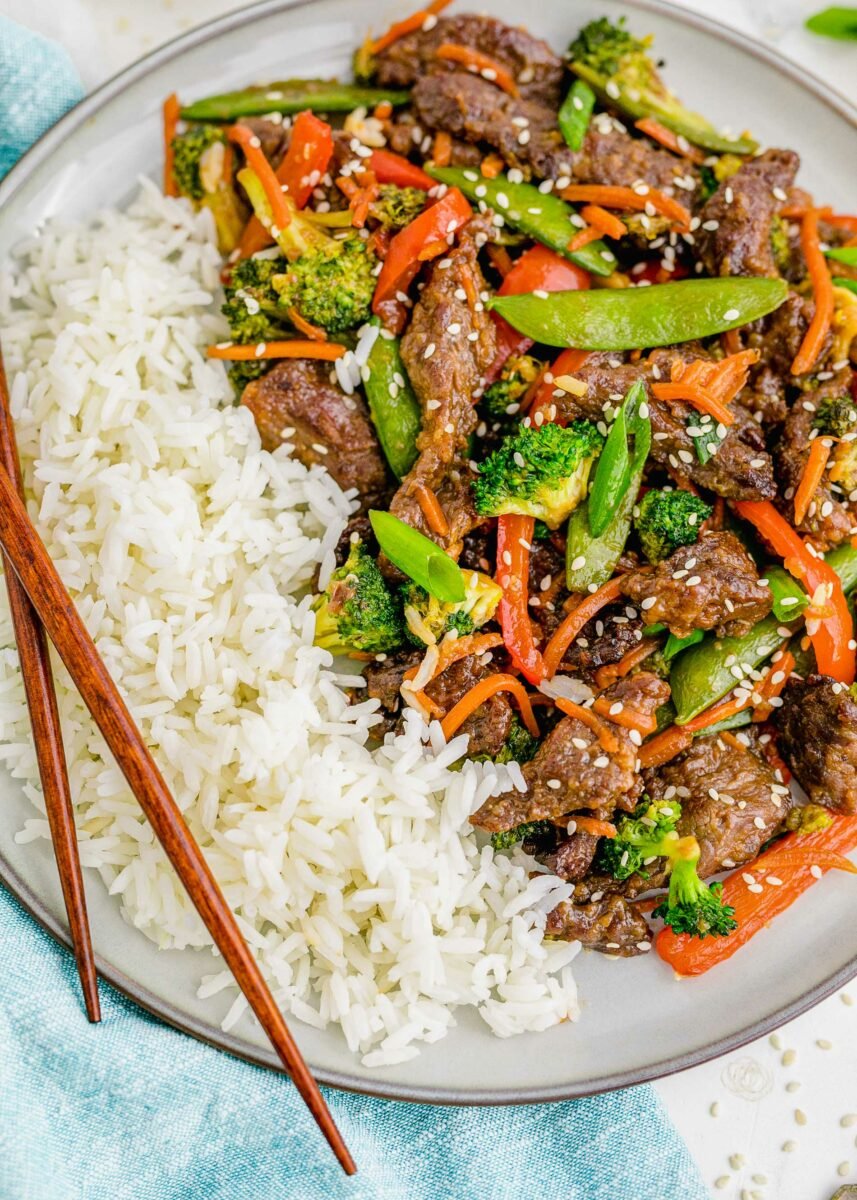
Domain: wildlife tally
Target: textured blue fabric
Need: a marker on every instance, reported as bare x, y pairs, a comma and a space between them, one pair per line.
131, 1110
37, 85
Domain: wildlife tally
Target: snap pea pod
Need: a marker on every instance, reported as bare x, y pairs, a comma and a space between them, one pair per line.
598, 529
843, 254
291, 96
545, 217
700, 677
789, 597
690, 125
841, 281
575, 113
394, 408
674, 645
638, 318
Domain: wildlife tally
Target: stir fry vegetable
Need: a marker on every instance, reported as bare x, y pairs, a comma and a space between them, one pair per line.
394, 407
291, 96
575, 113
419, 557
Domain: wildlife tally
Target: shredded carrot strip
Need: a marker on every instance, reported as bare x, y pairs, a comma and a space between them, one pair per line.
568, 630
249, 143
604, 676
730, 739
409, 25
599, 218
665, 746
361, 191
442, 149
605, 735
822, 290
583, 237
500, 259
628, 718
595, 827
665, 137
626, 198
701, 399
172, 108
730, 340
383, 110
431, 509
452, 651
435, 711
306, 327
296, 348
491, 166
475, 60
840, 220
813, 473
432, 250
484, 690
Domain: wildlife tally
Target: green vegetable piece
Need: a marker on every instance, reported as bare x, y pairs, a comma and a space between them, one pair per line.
700, 676
199, 161
575, 113
541, 472
843, 559
613, 473
252, 304
529, 830
544, 216
639, 318
703, 433
291, 96
667, 519
393, 407
396, 206
841, 281
835, 22
624, 76
808, 818
356, 611
674, 645
520, 747
843, 254
428, 620
418, 557
695, 907
789, 597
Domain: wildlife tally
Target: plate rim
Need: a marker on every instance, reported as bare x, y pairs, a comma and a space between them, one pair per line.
210, 1033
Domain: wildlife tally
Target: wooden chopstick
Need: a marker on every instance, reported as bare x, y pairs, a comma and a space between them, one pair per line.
47, 736
28, 556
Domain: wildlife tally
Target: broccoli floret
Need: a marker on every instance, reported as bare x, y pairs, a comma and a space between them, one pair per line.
520, 747
605, 53
540, 472
540, 531
242, 373
357, 611
199, 161
837, 416
252, 302
328, 281
396, 207
780, 247
809, 818
428, 620
691, 906
501, 399
666, 520
521, 833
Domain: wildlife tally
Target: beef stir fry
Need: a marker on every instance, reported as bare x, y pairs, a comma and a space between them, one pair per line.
585, 365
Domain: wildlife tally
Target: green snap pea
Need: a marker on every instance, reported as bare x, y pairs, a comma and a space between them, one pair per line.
835, 22
575, 113
843, 254
419, 557
844, 562
544, 216
291, 96
674, 645
394, 408
850, 284
638, 318
686, 124
789, 597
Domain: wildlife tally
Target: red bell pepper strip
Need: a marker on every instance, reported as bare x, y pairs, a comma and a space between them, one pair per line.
423, 239
831, 634
308, 157
514, 535
790, 861
394, 168
538, 269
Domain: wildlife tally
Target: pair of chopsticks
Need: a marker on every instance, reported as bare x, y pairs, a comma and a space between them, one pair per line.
41, 605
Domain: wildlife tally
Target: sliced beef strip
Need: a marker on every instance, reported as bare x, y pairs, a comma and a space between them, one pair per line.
731, 801
405, 136
829, 519
740, 470
572, 857
741, 211
711, 584
468, 107
445, 368
537, 70
571, 770
384, 678
778, 336
297, 403
610, 925
818, 739
490, 725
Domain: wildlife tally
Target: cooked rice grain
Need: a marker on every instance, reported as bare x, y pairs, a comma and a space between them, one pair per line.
355, 874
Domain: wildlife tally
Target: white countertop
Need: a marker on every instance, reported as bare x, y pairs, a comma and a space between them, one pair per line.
777, 1120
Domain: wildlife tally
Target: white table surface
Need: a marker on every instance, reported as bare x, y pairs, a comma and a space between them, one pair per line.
777, 1120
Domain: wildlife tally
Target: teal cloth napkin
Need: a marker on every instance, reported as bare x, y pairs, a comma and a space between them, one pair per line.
132, 1110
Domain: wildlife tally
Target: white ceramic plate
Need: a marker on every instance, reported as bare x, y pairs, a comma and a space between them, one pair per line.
637, 1022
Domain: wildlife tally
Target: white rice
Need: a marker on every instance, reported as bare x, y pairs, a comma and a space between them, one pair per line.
355, 875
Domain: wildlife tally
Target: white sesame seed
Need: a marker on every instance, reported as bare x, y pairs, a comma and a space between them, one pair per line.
578, 562
648, 602
800, 1117
602, 761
